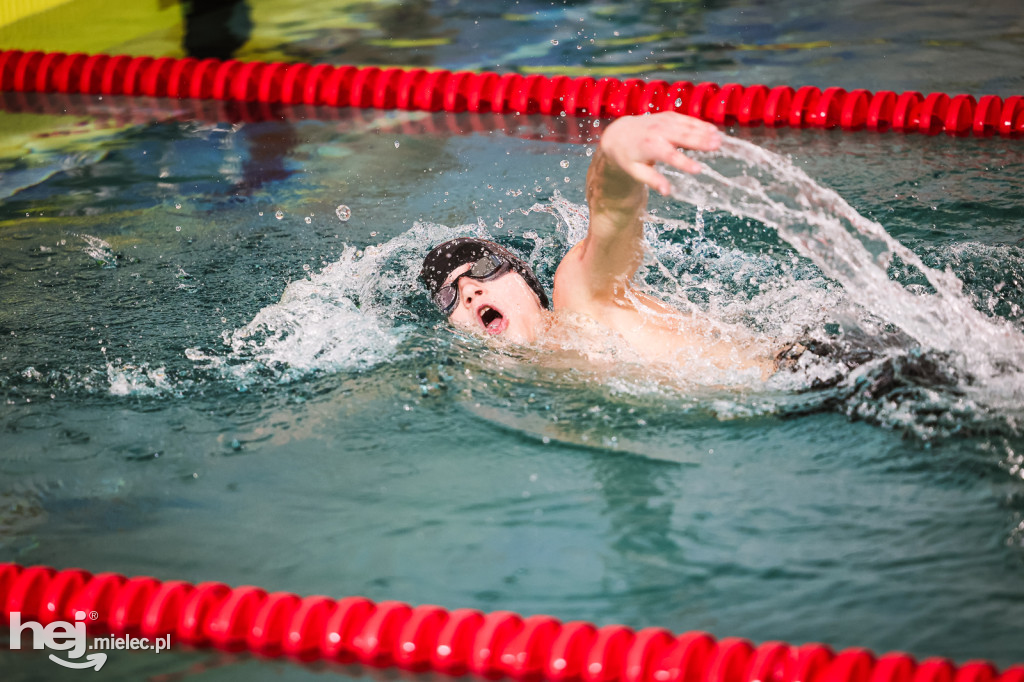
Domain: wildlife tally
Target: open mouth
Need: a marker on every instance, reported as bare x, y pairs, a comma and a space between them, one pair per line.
492, 319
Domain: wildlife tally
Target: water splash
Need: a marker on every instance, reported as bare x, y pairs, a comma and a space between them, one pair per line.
351, 316
99, 250
141, 380
367, 313
752, 182
838, 295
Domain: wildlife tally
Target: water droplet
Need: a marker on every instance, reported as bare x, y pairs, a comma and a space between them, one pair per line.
308, 220
679, 102
564, 163
554, 42
590, 152
597, 123
396, 144
343, 212
566, 179
177, 228
178, 206
279, 215
261, 214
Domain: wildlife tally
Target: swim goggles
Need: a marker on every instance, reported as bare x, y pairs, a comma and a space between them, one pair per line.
488, 267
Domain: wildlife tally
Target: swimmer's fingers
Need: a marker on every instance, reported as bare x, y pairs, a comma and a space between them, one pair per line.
672, 131
667, 153
641, 172
691, 133
675, 158
635, 143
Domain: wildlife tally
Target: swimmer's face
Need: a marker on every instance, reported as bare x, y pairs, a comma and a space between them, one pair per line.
504, 307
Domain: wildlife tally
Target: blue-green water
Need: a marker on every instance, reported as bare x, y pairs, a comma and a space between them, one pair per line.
270, 401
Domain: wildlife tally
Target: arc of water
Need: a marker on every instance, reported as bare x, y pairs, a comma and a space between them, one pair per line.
751, 182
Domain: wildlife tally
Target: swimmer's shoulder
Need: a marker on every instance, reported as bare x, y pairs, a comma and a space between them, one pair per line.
573, 291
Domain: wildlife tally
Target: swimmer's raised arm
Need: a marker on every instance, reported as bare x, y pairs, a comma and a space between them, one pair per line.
617, 181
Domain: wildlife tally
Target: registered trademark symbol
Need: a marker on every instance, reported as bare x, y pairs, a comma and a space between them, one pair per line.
93, 615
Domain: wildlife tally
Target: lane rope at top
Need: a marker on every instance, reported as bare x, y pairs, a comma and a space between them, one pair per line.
441, 90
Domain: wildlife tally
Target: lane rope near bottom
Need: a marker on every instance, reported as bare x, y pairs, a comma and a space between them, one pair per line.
428, 637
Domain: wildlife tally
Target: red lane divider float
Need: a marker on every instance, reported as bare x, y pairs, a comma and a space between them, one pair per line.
392, 633
393, 88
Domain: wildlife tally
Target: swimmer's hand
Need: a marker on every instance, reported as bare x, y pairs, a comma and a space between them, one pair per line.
597, 270
633, 144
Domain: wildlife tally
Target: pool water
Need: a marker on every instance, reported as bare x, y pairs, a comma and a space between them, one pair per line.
207, 374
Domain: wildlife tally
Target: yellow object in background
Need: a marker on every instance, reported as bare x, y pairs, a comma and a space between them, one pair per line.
133, 27
13, 10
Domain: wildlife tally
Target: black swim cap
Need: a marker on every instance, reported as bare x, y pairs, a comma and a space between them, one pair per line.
445, 258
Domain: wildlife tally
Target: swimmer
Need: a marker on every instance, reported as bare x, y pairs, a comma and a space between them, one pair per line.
485, 289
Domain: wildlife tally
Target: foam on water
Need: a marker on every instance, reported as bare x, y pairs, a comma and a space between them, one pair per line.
127, 379
353, 315
99, 250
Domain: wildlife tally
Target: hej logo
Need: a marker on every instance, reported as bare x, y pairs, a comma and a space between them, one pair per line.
60, 636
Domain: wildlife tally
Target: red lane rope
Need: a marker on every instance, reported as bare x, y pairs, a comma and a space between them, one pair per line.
392, 633
392, 88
